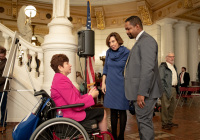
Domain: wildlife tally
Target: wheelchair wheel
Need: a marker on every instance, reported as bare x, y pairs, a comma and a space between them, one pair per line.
60, 129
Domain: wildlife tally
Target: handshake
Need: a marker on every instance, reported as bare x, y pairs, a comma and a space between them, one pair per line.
94, 92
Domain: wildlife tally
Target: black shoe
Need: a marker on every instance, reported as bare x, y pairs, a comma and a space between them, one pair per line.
166, 127
173, 125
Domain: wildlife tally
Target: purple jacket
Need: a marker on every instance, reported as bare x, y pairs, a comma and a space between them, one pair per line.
63, 92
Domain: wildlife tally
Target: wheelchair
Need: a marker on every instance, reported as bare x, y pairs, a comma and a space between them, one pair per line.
51, 128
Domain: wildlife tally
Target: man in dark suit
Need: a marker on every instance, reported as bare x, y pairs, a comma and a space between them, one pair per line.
184, 77
2, 82
142, 81
198, 71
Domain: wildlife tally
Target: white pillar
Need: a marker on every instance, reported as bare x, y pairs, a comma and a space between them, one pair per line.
59, 40
193, 54
167, 37
181, 45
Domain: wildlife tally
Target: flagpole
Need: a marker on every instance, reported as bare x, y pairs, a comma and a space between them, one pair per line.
90, 15
85, 91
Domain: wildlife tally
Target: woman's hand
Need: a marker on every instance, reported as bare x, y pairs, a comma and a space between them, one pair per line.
94, 92
103, 88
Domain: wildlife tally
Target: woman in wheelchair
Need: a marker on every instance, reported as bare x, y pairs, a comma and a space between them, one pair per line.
63, 92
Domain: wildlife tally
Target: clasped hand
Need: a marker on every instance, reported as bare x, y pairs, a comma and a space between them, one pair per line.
94, 92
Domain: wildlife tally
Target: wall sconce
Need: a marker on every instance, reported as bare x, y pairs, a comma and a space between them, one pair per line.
102, 57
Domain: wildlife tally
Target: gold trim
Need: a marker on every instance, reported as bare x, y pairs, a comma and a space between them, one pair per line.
188, 4
145, 14
100, 18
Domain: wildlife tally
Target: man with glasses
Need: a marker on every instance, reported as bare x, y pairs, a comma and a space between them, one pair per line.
169, 79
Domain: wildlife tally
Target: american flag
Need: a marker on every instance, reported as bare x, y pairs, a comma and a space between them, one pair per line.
90, 60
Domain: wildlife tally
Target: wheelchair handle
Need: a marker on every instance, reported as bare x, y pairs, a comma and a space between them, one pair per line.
41, 92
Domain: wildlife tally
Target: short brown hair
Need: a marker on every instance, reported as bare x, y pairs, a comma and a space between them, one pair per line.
58, 60
2, 50
184, 68
117, 37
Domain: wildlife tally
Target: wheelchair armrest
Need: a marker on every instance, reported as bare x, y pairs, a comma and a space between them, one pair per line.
66, 106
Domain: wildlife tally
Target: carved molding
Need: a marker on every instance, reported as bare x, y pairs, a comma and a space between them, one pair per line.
145, 13
169, 10
188, 4
111, 17
192, 11
14, 10
99, 13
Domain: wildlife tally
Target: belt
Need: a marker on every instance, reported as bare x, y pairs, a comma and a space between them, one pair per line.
174, 86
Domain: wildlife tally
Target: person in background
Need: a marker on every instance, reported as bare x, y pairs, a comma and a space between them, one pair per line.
80, 82
184, 77
113, 83
198, 72
3, 61
184, 80
169, 78
98, 84
142, 80
63, 92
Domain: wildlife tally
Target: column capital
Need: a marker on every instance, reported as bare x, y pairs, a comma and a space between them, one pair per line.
166, 21
182, 24
194, 26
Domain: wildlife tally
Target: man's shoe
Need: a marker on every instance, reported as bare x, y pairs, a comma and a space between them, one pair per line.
173, 125
166, 127
2, 128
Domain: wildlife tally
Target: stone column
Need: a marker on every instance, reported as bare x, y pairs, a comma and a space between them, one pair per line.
193, 53
181, 45
167, 37
59, 40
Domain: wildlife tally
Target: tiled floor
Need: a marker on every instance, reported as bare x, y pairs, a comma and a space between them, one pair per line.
187, 118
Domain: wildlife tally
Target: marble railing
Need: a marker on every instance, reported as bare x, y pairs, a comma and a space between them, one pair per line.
30, 55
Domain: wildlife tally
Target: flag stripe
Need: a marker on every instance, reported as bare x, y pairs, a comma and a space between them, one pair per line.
91, 67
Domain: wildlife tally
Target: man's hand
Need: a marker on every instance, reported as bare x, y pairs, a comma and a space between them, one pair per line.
140, 101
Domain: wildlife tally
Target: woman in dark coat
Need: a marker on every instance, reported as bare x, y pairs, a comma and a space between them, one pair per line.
113, 83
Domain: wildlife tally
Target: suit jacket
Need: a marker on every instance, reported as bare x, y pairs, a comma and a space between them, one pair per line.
166, 79
2, 79
63, 92
141, 72
186, 79
198, 71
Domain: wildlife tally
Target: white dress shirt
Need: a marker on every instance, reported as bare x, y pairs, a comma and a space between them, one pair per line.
181, 77
174, 74
138, 36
